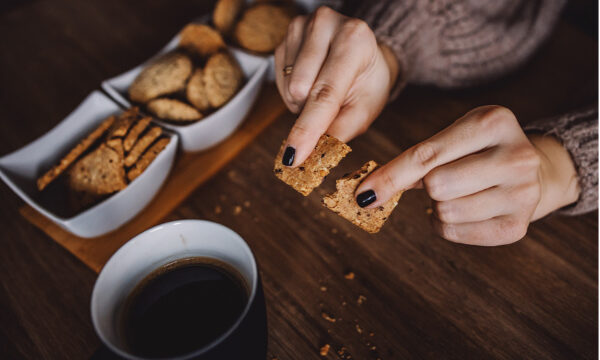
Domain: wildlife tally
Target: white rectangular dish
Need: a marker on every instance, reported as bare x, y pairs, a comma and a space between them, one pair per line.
21, 168
214, 128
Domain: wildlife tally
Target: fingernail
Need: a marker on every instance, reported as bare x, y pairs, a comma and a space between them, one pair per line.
366, 198
288, 156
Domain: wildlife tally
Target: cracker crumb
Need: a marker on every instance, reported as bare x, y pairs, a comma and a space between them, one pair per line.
349, 275
323, 288
371, 334
246, 204
324, 350
344, 303
429, 211
334, 231
237, 210
218, 209
358, 329
361, 299
327, 317
373, 348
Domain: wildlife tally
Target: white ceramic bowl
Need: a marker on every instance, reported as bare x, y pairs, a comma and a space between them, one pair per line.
156, 247
217, 126
20, 171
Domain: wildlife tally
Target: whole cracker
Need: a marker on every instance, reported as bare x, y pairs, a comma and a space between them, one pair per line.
344, 203
262, 27
174, 110
79, 149
328, 152
142, 144
225, 14
135, 132
201, 39
98, 173
166, 75
222, 77
195, 91
147, 158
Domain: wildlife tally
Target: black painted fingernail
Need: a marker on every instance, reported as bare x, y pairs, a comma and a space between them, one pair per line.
288, 156
366, 198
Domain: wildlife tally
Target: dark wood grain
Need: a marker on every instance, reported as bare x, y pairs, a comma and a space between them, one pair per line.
425, 297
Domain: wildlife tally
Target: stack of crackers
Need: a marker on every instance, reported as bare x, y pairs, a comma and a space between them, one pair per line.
259, 27
326, 155
198, 77
107, 160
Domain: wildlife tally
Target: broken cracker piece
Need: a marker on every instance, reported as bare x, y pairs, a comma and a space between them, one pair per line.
344, 204
142, 144
135, 132
79, 149
326, 155
147, 158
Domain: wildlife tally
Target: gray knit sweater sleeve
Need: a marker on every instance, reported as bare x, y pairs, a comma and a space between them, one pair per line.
456, 43
578, 132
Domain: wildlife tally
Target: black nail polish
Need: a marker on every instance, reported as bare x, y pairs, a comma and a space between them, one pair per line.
366, 198
288, 156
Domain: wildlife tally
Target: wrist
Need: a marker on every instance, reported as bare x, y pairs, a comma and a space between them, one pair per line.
558, 177
392, 64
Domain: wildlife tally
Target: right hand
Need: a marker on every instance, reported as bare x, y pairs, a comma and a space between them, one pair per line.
340, 80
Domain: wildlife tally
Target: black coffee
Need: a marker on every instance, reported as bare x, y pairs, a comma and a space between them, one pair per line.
182, 307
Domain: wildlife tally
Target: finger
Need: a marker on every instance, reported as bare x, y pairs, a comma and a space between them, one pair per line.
351, 121
468, 175
327, 95
492, 232
481, 206
285, 55
318, 34
477, 130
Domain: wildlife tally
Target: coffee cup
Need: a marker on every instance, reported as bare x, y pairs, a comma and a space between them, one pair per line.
173, 243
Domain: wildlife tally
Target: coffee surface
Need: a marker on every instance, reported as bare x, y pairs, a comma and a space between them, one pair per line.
182, 307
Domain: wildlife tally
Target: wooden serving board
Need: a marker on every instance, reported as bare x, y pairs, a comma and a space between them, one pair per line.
189, 172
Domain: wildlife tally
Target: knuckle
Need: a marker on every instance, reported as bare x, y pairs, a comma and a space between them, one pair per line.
493, 118
434, 185
448, 231
356, 27
424, 154
513, 229
323, 93
525, 158
298, 89
388, 179
321, 17
299, 130
445, 211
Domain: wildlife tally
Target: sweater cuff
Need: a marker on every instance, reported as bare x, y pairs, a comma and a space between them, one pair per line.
578, 133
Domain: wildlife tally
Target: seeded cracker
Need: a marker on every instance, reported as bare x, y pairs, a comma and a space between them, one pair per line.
98, 173
142, 144
65, 162
344, 204
147, 158
135, 132
163, 76
173, 110
326, 155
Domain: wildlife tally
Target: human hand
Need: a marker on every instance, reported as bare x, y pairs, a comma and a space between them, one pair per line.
486, 178
339, 82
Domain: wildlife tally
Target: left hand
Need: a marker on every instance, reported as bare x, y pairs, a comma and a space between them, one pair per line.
487, 179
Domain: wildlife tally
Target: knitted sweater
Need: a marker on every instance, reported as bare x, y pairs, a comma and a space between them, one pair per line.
458, 43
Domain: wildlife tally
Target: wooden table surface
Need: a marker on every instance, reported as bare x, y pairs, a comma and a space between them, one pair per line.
423, 297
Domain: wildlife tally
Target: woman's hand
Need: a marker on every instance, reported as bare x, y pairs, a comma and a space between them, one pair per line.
339, 82
487, 179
